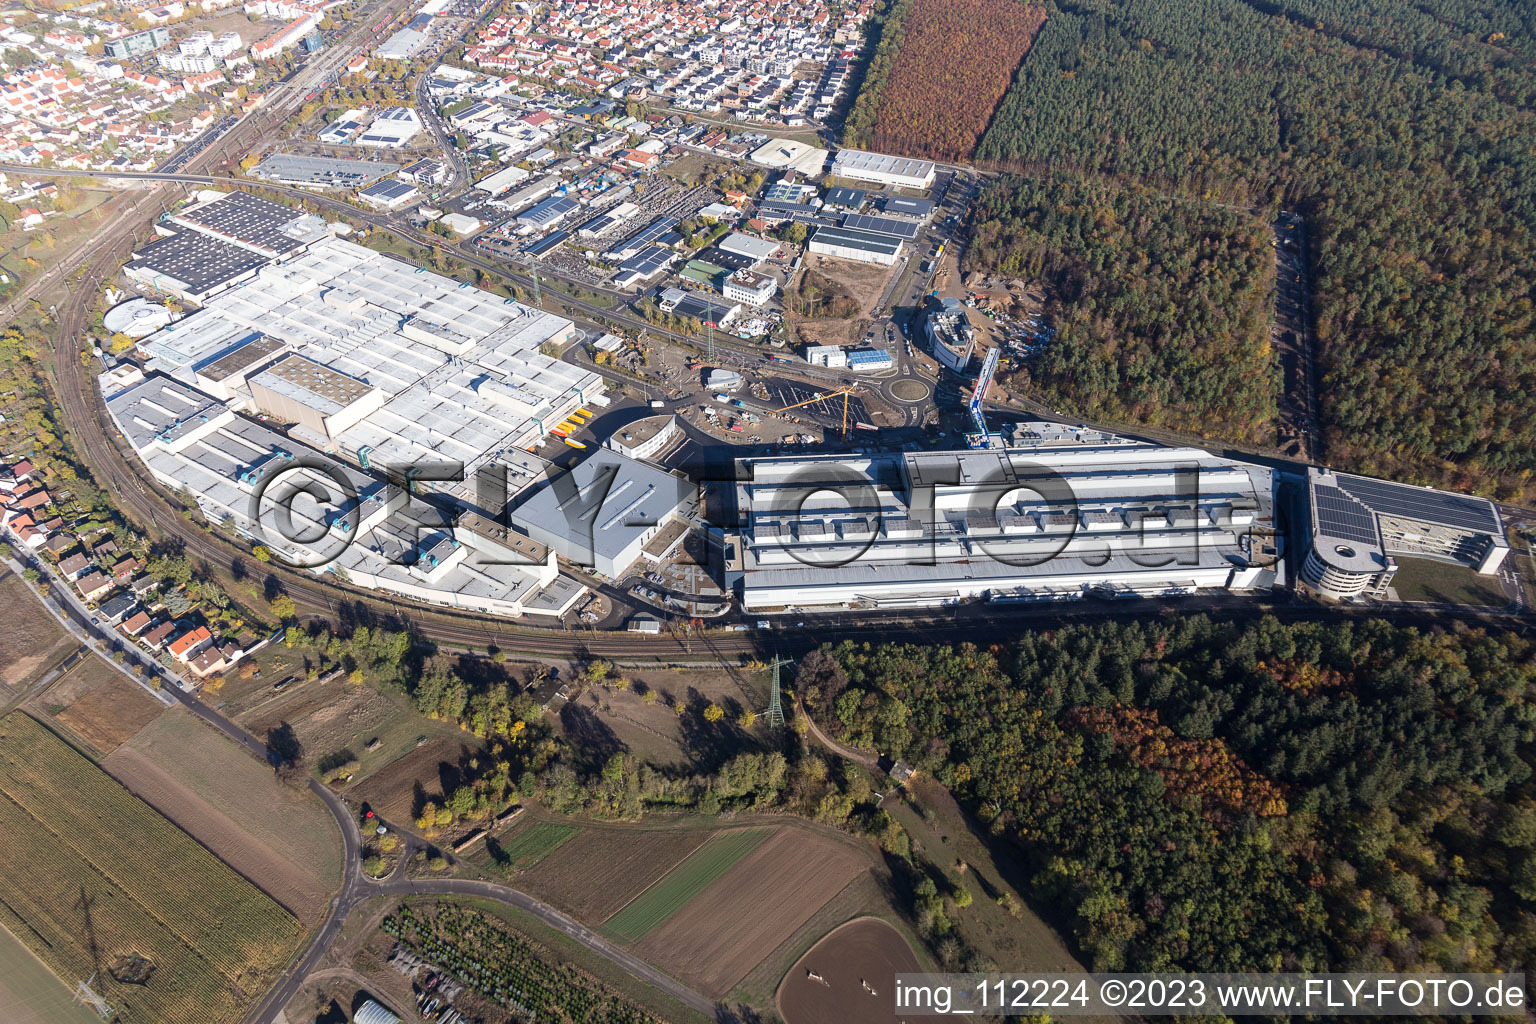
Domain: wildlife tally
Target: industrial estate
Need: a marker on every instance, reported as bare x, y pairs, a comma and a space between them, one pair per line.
523, 511
321, 365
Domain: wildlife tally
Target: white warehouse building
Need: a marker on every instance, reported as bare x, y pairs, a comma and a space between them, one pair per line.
883, 169
1064, 513
605, 512
439, 370
362, 366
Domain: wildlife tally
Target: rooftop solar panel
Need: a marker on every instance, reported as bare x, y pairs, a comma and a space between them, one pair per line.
1423, 504
908, 207
648, 261
547, 243
1339, 515
650, 233
904, 229
246, 218
388, 190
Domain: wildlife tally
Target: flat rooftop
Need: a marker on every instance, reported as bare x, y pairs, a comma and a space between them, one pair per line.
493, 530
1057, 510
196, 262
882, 163
868, 241
243, 357
246, 219
633, 435
901, 227
1423, 504
160, 408
320, 170
387, 191
308, 380
460, 370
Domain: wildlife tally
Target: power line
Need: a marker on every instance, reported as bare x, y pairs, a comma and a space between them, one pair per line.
775, 702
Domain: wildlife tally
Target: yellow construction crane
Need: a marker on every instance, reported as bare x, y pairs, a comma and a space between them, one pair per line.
822, 396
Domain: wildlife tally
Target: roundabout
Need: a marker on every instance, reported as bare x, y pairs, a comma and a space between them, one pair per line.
911, 390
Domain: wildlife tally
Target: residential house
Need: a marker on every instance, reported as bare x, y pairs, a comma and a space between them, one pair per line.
158, 634
116, 608
74, 566
93, 584
190, 644
214, 658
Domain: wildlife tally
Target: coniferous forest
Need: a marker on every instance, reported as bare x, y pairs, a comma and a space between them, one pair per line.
1161, 304
1197, 795
1403, 131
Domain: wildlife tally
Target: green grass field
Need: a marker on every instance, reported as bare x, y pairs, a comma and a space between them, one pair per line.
528, 846
1424, 579
29, 992
646, 912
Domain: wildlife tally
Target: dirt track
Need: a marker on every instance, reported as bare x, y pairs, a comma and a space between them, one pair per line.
722, 933
865, 950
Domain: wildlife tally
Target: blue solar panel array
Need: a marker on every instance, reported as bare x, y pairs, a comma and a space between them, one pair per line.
648, 234
547, 243
903, 229
1456, 511
1339, 515
647, 262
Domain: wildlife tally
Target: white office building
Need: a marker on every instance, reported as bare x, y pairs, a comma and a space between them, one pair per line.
750, 287
1360, 523
826, 355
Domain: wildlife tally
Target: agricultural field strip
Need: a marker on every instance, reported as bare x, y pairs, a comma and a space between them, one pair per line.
145, 864
52, 791
602, 869
667, 895
722, 933
537, 841
280, 870
29, 990
180, 749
